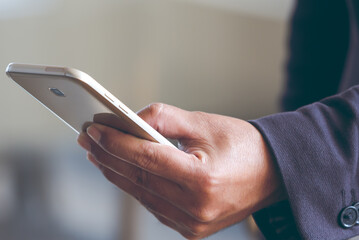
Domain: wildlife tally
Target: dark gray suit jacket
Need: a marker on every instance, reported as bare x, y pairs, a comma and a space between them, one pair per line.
315, 142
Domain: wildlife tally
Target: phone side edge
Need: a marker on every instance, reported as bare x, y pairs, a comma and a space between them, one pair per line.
91, 85
88, 82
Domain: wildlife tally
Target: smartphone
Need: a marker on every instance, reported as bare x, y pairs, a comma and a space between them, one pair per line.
78, 100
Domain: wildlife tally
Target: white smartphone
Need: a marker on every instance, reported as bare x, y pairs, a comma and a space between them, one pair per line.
78, 100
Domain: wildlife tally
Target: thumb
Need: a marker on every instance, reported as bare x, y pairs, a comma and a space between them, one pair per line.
170, 121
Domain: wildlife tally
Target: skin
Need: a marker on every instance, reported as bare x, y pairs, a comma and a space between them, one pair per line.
221, 173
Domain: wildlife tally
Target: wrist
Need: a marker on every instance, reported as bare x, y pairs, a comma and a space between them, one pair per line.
270, 184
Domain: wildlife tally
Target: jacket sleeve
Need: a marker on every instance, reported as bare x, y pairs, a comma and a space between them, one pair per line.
317, 151
318, 43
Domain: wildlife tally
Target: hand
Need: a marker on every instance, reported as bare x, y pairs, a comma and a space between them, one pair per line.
221, 173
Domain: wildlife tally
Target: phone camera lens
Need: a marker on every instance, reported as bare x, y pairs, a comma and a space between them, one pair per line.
57, 92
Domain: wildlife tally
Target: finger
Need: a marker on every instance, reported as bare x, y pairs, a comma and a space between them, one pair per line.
170, 121
183, 231
181, 221
161, 160
93, 160
162, 187
86, 142
193, 229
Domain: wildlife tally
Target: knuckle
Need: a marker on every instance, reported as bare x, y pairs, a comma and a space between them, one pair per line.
188, 232
140, 177
200, 114
210, 177
192, 231
155, 109
145, 157
137, 176
208, 185
189, 235
202, 117
204, 207
197, 228
205, 215
133, 174
149, 206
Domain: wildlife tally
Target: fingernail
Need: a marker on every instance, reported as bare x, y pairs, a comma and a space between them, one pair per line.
94, 133
83, 143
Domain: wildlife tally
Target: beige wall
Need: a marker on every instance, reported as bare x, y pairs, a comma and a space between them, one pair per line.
192, 56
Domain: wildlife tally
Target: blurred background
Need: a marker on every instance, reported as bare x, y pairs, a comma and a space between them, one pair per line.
219, 56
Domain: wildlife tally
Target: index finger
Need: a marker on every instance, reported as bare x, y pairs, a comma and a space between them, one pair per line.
159, 159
